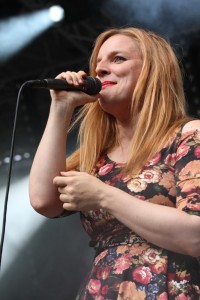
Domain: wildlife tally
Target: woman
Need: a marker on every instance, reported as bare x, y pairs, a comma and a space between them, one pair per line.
135, 177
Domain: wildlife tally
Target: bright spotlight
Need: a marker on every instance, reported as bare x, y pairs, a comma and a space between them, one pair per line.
56, 13
17, 32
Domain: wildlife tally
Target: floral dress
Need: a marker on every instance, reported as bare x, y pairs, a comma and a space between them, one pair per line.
127, 267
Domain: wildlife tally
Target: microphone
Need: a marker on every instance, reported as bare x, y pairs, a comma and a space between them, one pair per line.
91, 85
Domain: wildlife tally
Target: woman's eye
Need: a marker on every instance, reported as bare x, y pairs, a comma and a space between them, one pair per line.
119, 59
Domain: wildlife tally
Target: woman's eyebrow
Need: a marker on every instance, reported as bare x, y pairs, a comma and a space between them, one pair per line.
124, 52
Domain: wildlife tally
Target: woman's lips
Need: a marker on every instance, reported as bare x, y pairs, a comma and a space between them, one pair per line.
107, 83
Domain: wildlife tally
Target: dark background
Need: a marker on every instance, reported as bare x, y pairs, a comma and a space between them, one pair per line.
42, 258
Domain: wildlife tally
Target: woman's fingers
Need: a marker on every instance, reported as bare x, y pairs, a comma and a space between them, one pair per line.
74, 78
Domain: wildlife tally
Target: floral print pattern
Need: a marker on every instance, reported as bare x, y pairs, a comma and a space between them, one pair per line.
127, 267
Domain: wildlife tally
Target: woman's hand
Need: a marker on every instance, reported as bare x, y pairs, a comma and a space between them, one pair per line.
80, 191
73, 98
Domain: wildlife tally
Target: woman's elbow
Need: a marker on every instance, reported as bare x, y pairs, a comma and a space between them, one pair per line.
46, 208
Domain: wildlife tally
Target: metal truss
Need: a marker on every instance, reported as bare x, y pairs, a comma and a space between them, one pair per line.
62, 47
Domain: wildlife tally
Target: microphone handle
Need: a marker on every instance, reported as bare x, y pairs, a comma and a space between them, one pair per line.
55, 84
91, 86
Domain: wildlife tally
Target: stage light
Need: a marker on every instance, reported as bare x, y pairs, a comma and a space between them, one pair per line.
6, 160
18, 31
17, 158
56, 13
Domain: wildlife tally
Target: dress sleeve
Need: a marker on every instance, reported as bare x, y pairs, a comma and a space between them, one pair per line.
187, 173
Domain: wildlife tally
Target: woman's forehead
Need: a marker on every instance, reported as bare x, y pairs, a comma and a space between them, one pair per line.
119, 42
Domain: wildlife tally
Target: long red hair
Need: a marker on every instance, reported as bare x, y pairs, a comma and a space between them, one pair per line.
158, 97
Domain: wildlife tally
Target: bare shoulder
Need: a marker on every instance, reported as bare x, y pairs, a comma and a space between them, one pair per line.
191, 126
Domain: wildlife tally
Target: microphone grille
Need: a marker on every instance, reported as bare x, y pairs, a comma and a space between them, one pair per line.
93, 85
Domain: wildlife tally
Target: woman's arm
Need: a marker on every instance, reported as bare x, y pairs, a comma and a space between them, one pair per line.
50, 158
170, 228
167, 227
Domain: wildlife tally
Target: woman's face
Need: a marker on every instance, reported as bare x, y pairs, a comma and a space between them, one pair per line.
118, 67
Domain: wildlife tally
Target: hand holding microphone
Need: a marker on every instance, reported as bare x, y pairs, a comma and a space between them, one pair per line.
89, 85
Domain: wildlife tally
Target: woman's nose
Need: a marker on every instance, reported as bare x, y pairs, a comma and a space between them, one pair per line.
102, 69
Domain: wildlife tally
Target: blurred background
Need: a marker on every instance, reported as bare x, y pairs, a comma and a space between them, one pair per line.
42, 258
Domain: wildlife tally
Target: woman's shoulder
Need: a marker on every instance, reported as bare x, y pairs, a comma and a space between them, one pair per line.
187, 131
191, 126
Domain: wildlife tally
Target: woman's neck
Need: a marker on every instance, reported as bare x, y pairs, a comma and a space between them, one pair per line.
120, 151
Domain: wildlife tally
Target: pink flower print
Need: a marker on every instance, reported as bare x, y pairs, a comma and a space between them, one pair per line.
197, 151
94, 286
104, 290
122, 263
151, 256
136, 185
177, 286
170, 159
103, 273
116, 177
168, 182
189, 185
191, 170
197, 136
142, 275
87, 226
193, 202
150, 176
128, 290
183, 297
163, 296
154, 160
97, 214
100, 256
180, 276
182, 150
162, 200
105, 169
160, 266
99, 297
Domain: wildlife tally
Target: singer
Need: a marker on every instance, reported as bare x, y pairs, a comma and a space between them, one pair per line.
135, 177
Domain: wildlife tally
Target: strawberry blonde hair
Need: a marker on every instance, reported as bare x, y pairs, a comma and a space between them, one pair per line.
158, 97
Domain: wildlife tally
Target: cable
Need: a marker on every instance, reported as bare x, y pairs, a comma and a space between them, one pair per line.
9, 172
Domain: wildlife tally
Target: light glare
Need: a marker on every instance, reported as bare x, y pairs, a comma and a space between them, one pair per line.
17, 32
56, 13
